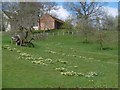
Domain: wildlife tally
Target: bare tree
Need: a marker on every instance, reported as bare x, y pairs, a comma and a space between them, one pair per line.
24, 14
0, 16
110, 23
67, 24
48, 6
86, 12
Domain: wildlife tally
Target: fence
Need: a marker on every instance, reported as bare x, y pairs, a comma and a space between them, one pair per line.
44, 35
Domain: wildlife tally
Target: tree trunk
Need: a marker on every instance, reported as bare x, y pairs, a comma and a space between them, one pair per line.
101, 42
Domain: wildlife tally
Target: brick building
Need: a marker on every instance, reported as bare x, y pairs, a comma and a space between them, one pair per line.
47, 22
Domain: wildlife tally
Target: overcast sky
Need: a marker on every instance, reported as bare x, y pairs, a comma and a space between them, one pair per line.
111, 8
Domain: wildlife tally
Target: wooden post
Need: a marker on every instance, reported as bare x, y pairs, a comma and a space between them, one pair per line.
47, 34
68, 33
63, 33
77, 32
53, 33
72, 32
37, 36
58, 33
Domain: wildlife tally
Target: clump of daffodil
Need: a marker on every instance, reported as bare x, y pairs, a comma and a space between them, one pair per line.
50, 51
18, 51
40, 58
69, 73
75, 66
64, 62
61, 69
39, 62
48, 59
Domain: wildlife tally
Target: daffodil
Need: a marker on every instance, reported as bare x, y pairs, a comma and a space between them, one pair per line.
80, 74
64, 62
18, 51
90, 58
14, 49
80, 56
61, 69
40, 58
75, 66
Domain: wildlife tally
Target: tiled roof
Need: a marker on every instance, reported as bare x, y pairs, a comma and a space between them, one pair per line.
55, 18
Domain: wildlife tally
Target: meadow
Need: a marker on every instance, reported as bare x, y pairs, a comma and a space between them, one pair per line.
60, 61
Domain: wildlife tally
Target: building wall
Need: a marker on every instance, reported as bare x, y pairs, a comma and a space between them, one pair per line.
46, 22
5, 22
58, 24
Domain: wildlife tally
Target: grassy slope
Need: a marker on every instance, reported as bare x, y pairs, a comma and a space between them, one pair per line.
22, 73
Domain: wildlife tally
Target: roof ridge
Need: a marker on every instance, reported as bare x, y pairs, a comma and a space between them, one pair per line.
55, 17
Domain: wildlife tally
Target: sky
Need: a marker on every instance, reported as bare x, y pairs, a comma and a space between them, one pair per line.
110, 7
112, 4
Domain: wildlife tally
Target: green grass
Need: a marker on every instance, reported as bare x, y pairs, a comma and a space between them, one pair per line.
22, 73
